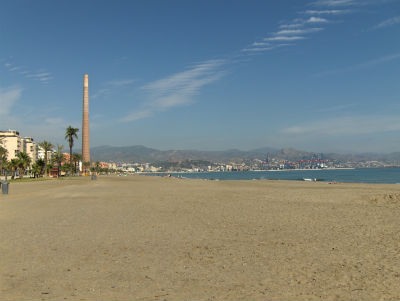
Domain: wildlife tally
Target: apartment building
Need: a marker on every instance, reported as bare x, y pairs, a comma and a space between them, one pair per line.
31, 148
41, 154
14, 143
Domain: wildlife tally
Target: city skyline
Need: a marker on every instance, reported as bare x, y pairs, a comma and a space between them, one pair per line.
318, 75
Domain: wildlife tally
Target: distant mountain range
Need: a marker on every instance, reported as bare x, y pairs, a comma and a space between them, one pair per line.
142, 154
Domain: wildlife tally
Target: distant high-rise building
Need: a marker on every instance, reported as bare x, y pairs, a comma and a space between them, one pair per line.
85, 121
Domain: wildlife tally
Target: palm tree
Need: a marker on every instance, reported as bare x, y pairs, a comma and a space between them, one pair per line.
38, 168
76, 157
47, 146
13, 165
24, 161
70, 134
3, 160
58, 158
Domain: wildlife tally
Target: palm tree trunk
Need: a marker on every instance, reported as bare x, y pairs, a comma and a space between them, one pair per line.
70, 160
45, 164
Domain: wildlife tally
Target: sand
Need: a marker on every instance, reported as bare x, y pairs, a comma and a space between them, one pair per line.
152, 238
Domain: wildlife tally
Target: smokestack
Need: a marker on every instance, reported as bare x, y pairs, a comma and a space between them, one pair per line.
85, 121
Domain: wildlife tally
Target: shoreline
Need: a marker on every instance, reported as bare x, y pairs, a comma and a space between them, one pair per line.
242, 171
337, 175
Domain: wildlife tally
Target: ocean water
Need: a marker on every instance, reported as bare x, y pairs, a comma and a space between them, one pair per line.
361, 175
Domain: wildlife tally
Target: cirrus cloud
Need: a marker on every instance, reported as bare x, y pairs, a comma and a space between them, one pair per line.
178, 89
346, 126
387, 23
8, 97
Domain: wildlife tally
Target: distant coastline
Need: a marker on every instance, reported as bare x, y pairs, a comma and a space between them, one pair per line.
308, 169
329, 175
244, 171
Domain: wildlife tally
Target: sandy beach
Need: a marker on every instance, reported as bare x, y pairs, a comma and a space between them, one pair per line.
153, 238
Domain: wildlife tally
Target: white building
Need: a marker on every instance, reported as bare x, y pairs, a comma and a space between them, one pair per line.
31, 148
40, 154
14, 144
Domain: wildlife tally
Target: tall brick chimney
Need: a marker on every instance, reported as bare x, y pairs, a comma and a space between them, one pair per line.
85, 121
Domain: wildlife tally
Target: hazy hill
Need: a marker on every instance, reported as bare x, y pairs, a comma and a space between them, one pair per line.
142, 154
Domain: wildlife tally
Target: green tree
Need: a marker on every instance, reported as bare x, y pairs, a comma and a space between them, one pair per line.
58, 158
76, 158
86, 167
38, 168
13, 166
70, 134
3, 159
24, 162
46, 146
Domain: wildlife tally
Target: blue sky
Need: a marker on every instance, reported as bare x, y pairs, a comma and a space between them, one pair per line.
317, 75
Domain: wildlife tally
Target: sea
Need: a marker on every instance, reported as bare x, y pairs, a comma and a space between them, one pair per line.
357, 175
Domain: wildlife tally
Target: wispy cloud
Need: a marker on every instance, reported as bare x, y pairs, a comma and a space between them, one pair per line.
41, 75
269, 44
387, 23
100, 93
264, 44
178, 89
137, 115
284, 38
346, 126
50, 129
383, 59
286, 32
367, 64
301, 23
335, 3
8, 97
259, 49
317, 20
13, 68
299, 28
327, 12
121, 82
297, 24
111, 86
